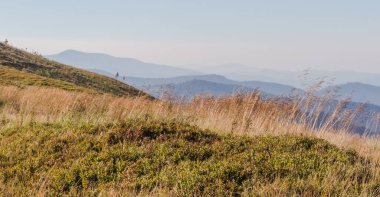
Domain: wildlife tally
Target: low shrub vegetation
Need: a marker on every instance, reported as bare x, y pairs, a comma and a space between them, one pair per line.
145, 154
55, 142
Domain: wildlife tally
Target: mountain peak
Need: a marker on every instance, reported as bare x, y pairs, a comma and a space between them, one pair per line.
73, 52
70, 51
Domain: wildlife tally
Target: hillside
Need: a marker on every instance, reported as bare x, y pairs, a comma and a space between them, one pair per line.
139, 155
18, 67
20, 78
69, 141
55, 142
124, 66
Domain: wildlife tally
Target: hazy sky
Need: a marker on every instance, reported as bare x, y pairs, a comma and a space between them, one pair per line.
282, 34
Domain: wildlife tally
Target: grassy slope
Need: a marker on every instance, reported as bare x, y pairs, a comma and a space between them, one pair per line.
124, 155
143, 154
19, 78
69, 76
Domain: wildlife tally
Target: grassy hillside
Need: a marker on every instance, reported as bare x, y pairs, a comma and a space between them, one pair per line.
36, 70
140, 155
55, 142
20, 78
58, 138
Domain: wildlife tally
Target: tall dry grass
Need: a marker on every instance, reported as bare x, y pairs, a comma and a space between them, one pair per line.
240, 114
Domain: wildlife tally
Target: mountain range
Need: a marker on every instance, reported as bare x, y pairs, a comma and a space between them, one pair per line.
224, 79
298, 79
123, 66
20, 68
216, 85
358, 92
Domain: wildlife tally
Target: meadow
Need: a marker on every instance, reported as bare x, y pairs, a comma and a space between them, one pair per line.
58, 142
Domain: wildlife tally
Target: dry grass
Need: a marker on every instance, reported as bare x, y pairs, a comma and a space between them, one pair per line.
240, 114
30, 149
19, 78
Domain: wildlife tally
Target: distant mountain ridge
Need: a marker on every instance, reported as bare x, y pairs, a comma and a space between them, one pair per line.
135, 68
123, 66
179, 79
358, 92
220, 85
297, 79
195, 87
154, 76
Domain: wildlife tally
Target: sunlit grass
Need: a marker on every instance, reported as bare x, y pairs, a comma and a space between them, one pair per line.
54, 141
19, 67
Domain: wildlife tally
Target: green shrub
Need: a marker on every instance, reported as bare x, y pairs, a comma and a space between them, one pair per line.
144, 154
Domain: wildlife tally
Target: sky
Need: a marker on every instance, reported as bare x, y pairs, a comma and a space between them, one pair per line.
272, 34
